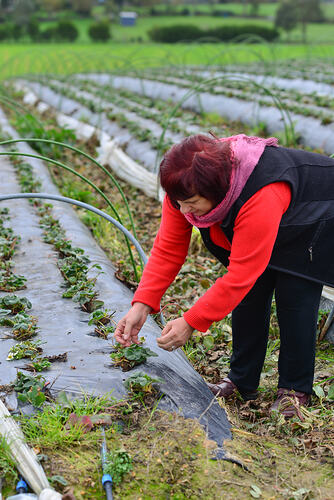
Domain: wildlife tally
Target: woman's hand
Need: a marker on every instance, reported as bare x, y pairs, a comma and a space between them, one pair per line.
129, 326
175, 334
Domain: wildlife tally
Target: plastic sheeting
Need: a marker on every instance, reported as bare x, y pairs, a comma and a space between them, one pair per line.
63, 326
108, 151
311, 130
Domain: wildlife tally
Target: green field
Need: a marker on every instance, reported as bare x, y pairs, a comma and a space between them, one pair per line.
316, 32
71, 58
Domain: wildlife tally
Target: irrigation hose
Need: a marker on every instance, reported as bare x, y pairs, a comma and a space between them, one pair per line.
106, 478
87, 206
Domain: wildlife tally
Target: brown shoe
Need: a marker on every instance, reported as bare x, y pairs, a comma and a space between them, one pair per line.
288, 402
227, 388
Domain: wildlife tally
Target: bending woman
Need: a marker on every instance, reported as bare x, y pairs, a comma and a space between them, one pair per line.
267, 213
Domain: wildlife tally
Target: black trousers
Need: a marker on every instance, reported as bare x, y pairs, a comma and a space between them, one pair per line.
297, 305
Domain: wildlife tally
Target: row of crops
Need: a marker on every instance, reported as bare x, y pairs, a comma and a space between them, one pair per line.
149, 112
144, 113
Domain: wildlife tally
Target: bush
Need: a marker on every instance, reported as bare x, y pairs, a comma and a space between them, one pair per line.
67, 31
4, 32
222, 13
16, 31
99, 32
11, 31
33, 30
229, 33
176, 33
49, 34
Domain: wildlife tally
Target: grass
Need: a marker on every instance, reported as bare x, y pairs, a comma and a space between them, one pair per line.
171, 456
66, 59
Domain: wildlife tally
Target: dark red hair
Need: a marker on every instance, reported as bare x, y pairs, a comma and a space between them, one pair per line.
197, 165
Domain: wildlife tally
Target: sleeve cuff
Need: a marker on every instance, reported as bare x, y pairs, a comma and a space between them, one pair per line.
155, 309
200, 324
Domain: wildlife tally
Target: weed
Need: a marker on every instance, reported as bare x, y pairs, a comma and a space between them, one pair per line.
118, 463
7, 464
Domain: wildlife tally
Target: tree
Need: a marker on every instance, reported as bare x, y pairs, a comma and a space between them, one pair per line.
293, 12
22, 11
83, 6
309, 11
286, 16
33, 30
254, 7
52, 5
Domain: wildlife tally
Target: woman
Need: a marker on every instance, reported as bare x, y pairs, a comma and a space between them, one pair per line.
267, 213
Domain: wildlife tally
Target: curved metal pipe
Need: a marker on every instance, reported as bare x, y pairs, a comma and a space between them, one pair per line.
71, 201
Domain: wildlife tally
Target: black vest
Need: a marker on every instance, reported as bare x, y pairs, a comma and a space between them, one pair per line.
305, 241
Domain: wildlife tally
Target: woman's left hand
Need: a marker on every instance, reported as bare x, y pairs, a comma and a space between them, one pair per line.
175, 334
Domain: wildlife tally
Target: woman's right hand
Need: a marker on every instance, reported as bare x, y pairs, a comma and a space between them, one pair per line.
129, 326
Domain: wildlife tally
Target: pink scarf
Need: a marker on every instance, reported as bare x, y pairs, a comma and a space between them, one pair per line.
245, 154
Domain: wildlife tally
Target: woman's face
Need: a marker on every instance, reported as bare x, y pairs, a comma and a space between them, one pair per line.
196, 205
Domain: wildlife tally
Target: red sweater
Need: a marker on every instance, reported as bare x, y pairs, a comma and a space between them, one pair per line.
255, 232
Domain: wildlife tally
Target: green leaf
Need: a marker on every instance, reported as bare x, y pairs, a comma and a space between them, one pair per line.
330, 394
63, 400
208, 341
319, 391
255, 491
58, 480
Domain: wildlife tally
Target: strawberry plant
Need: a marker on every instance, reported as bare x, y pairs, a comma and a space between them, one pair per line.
14, 303
141, 384
129, 357
9, 282
73, 269
30, 389
38, 365
105, 330
100, 317
26, 349
87, 300
25, 328
7, 247
11, 321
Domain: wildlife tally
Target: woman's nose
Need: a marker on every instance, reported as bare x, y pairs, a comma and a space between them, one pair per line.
185, 209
